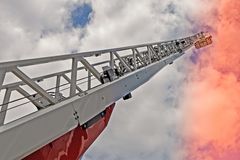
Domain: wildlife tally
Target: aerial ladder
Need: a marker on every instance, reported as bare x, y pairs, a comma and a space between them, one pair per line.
59, 114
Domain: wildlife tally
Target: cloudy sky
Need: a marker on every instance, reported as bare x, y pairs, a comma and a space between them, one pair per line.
150, 125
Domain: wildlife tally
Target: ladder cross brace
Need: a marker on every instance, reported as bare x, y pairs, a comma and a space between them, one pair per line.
90, 68
122, 61
69, 80
33, 85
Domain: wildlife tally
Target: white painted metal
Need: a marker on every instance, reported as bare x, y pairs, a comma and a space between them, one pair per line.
34, 131
122, 61
140, 57
2, 76
58, 81
40, 78
90, 68
33, 85
5, 105
89, 80
34, 99
24, 136
43, 60
73, 85
134, 59
104, 95
111, 62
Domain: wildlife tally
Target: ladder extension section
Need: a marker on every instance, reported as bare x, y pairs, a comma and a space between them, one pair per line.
47, 98
121, 61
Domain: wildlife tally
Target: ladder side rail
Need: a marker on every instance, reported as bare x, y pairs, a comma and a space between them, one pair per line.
41, 78
144, 57
150, 54
36, 61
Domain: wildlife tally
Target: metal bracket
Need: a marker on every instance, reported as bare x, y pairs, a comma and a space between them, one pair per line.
75, 115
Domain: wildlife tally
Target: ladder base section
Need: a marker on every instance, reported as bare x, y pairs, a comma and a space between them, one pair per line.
73, 144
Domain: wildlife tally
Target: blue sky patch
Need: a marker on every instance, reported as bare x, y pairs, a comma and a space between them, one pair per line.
80, 16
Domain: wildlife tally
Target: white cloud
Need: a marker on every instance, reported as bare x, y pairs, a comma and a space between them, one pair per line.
33, 28
149, 125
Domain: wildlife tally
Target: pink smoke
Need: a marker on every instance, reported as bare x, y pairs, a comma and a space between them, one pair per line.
212, 96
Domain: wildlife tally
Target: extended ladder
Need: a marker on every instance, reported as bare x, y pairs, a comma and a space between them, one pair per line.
94, 80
